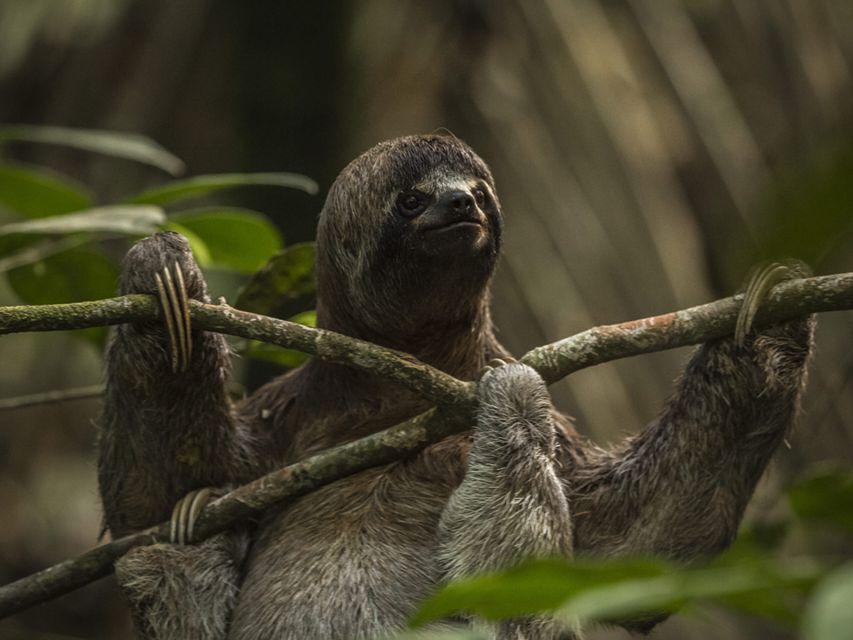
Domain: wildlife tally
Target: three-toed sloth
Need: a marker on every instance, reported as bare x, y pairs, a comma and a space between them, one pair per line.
407, 244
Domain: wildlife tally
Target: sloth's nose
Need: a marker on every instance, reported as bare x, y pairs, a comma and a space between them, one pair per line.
458, 205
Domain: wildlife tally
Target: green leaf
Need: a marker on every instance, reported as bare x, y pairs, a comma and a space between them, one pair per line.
133, 220
288, 275
237, 238
200, 251
130, 146
829, 615
623, 589
825, 497
35, 192
71, 276
287, 358
753, 587
203, 185
537, 586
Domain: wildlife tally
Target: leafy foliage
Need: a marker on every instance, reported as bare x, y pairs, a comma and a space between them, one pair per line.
794, 591
824, 497
133, 220
237, 239
289, 274
130, 146
35, 192
53, 249
203, 185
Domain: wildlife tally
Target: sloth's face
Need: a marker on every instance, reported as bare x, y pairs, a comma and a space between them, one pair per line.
454, 216
408, 240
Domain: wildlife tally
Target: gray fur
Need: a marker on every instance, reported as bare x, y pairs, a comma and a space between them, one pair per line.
511, 505
353, 559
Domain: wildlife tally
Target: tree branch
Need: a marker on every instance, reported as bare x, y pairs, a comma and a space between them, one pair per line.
427, 381
51, 397
594, 346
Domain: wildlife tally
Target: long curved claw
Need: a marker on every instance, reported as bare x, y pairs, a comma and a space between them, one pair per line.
199, 502
166, 306
185, 514
174, 301
176, 528
494, 363
185, 309
761, 281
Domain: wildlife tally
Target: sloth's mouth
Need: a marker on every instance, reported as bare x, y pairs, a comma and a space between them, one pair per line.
458, 224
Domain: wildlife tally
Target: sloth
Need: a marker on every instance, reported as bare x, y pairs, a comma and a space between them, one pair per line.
407, 243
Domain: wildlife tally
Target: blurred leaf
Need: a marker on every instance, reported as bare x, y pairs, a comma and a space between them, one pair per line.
541, 585
308, 318
35, 192
16, 254
70, 276
829, 615
200, 251
289, 274
752, 587
623, 589
757, 539
203, 185
287, 358
237, 238
131, 146
825, 497
125, 219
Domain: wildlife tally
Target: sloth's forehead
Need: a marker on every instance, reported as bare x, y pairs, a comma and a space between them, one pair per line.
442, 181
429, 162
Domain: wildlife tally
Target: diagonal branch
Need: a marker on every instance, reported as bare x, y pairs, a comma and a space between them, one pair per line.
554, 361
427, 381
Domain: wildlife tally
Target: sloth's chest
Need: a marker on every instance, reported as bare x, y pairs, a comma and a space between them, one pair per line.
351, 560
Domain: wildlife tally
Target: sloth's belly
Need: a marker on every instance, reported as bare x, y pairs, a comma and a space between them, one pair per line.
352, 560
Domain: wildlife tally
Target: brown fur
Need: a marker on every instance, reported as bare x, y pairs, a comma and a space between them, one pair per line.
353, 559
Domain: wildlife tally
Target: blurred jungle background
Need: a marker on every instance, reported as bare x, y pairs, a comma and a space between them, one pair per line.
647, 153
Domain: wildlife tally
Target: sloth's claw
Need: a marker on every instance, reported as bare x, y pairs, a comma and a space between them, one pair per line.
175, 304
185, 514
183, 299
761, 281
494, 363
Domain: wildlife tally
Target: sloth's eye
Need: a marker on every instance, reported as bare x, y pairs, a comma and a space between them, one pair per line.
411, 203
479, 197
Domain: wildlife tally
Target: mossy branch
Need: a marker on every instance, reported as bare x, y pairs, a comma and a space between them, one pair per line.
454, 398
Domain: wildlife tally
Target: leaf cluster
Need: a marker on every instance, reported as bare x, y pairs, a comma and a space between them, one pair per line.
57, 244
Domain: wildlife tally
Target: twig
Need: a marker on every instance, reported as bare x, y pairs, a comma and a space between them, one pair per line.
595, 346
427, 381
50, 397
788, 300
395, 443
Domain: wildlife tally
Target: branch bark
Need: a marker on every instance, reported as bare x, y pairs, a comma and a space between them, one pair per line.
429, 382
454, 398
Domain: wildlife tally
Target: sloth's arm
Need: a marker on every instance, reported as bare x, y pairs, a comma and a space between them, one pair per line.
679, 489
168, 429
167, 425
510, 505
